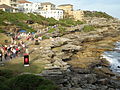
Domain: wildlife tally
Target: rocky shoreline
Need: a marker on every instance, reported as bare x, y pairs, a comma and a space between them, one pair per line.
73, 61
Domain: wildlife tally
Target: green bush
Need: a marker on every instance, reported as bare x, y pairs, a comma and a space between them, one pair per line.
97, 14
47, 87
51, 30
2, 31
2, 79
52, 21
88, 28
45, 37
3, 86
69, 22
30, 82
6, 73
62, 30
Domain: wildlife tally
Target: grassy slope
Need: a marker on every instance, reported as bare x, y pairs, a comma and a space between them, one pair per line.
20, 19
17, 65
97, 14
3, 37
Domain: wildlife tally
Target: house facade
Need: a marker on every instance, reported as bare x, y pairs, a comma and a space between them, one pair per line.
7, 8
48, 6
29, 7
56, 14
66, 7
70, 13
46, 9
11, 3
7, 2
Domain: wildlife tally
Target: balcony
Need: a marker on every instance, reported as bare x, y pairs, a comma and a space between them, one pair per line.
14, 3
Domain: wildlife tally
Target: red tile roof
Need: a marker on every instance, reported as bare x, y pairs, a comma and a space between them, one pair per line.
24, 1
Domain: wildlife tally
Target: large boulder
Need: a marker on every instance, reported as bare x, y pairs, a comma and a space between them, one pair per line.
59, 42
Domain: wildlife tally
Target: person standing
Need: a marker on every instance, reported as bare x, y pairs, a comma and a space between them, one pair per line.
1, 55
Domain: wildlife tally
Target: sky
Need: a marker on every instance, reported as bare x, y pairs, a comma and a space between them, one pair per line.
112, 7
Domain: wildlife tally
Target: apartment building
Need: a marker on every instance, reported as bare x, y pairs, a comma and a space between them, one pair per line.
7, 8
45, 9
66, 7
29, 7
7, 2
48, 6
56, 14
77, 14
70, 13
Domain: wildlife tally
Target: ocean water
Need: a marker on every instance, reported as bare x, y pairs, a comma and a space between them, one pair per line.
114, 58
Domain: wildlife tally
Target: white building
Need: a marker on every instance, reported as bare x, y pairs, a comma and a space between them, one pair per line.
57, 14
48, 6
47, 9
29, 7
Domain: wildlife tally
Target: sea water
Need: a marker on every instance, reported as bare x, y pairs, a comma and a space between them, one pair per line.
114, 58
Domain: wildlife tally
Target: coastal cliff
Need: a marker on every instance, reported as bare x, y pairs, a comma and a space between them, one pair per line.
72, 55
74, 61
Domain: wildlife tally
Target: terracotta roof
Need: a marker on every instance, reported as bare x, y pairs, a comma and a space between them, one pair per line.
66, 5
6, 6
24, 1
47, 3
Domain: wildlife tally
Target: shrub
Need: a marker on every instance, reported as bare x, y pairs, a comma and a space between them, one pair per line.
47, 87
2, 31
45, 37
97, 14
88, 28
52, 21
69, 22
51, 30
30, 82
6, 73
3, 86
62, 30
2, 79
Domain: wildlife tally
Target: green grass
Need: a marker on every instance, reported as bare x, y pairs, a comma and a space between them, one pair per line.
62, 30
45, 37
17, 65
88, 28
97, 14
20, 20
51, 30
3, 37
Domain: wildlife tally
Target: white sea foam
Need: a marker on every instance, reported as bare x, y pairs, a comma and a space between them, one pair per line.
114, 58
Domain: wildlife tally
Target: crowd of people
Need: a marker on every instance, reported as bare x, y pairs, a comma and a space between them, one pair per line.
8, 52
17, 47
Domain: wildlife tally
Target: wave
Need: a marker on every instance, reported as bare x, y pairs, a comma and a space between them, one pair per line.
113, 57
